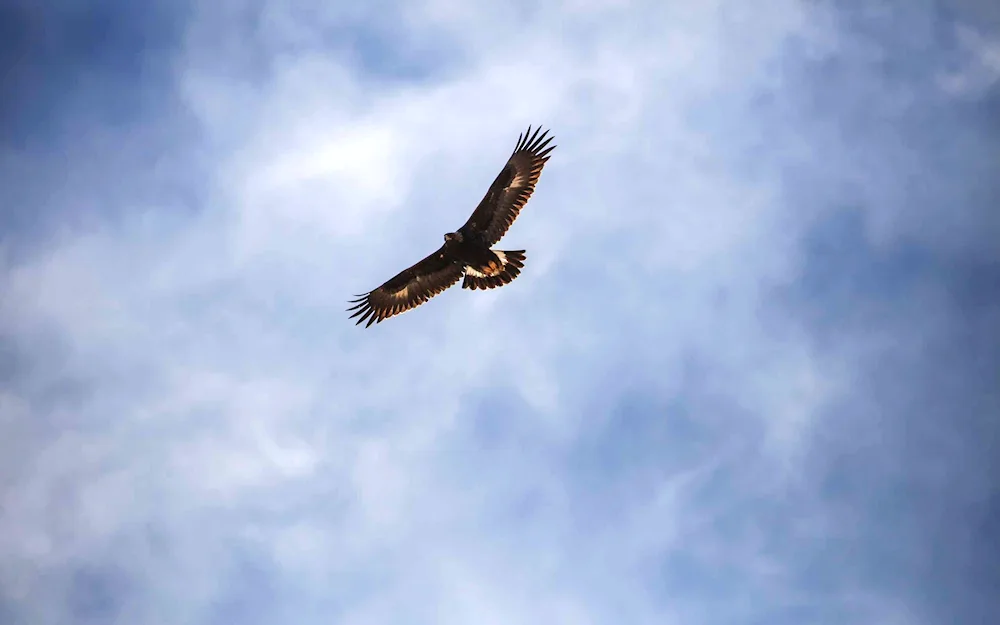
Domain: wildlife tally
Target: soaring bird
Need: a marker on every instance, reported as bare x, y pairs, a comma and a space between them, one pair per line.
467, 251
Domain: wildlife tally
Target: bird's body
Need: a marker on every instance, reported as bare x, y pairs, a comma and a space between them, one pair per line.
467, 252
468, 248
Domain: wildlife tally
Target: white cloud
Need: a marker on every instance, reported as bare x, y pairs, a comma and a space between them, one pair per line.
230, 399
978, 76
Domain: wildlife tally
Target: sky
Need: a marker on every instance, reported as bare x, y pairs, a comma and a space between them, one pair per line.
747, 375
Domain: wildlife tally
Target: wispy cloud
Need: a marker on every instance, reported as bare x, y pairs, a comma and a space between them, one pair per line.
752, 343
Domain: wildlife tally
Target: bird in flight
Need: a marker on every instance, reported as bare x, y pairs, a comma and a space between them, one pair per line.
466, 252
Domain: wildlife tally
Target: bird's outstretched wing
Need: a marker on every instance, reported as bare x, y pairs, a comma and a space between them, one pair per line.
513, 186
408, 289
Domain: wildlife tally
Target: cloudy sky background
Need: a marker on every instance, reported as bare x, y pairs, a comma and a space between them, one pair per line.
748, 375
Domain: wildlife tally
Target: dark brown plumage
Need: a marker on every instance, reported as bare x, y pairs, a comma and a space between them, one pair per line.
467, 252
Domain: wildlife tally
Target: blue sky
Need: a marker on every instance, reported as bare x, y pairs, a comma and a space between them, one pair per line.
748, 374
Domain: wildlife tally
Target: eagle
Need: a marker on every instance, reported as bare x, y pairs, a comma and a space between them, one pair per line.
467, 251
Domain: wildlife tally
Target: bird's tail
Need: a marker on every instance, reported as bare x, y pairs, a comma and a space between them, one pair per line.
511, 264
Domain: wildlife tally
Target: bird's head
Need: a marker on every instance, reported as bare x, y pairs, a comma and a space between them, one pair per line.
453, 236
